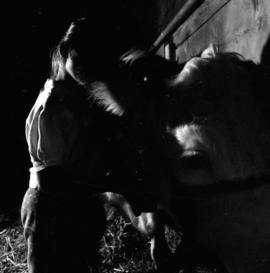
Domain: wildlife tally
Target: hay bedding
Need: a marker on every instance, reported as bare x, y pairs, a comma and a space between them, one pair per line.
122, 249
12, 249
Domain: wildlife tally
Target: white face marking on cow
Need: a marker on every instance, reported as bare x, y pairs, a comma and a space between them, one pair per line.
190, 138
190, 163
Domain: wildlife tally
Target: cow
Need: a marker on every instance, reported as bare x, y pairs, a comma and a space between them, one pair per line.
133, 97
218, 148
210, 126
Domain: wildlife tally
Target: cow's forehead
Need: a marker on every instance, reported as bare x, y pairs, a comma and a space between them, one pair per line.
224, 67
192, 71
189, 136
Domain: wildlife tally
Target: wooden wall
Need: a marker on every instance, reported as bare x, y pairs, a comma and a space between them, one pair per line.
166, 10
233, 25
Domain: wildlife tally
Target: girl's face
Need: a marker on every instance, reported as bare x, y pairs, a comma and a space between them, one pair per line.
76, 68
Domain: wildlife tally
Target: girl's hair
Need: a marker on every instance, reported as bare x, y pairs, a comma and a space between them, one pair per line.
98, 44
73, 39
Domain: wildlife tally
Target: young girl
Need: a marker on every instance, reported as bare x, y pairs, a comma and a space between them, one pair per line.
69, 141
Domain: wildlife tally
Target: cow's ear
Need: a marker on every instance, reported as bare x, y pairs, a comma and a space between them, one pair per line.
210, 52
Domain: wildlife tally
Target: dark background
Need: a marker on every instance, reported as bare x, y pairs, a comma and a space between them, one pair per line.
29, 32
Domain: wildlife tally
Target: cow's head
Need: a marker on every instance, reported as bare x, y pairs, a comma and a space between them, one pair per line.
215, 127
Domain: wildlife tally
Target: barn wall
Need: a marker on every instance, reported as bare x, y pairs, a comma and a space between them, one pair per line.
233, 25
166, 10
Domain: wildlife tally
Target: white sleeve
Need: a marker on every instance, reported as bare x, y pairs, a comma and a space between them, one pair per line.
47, 131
